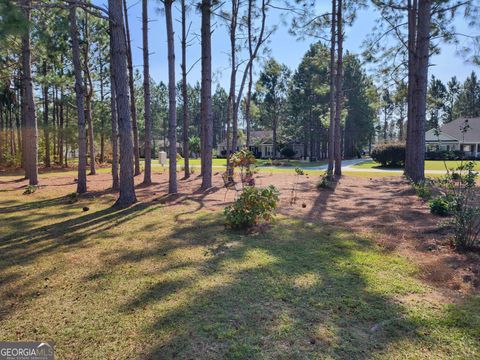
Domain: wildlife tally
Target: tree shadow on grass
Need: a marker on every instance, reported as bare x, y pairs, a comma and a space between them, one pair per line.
34, 205
299, 290
25, 246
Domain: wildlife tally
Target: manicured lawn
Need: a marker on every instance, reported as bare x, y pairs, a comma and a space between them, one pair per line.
451, 164
429, 165
288, 164
163, 281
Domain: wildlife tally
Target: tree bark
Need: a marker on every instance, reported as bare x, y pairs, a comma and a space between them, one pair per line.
119, 66
114, 120
172, 102
147, 176
206, 94
133, 106
88, 115
339, 92
28, 105
186, 151
274, 126
46, 131
61, 134
231, 118
416, 169
331, 129
411, 104
88, 99
102, 117
80, 98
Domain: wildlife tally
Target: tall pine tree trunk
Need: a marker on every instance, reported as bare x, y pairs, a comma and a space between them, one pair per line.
186, 151
133, 106
102, 119
339, 91
206, 94
28, 105
147, 176
113, 119
411, 111
91, 143
172, 103
88, 99
416, 169
331, 128
80, 97
46, 129
61, 135
233, 75
119, 68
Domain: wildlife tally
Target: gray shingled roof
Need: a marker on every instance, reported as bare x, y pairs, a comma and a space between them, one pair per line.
455, 127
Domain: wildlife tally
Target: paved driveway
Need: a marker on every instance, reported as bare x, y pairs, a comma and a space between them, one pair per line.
345, 164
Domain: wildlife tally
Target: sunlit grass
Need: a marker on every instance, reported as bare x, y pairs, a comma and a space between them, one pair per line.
429, 165
163, 281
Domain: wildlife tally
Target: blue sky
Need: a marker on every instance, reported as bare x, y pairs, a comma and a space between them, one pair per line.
283, 47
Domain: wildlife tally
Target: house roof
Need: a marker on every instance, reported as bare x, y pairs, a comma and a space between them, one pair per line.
160, 144
261, 134
433, 136
256, 137
455, 129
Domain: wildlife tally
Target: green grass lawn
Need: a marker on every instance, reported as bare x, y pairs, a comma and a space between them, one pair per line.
157, 281
429, 165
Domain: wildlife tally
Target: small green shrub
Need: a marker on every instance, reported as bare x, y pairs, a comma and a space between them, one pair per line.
30, 189
244, 160
326, 181
251, 207
423, 189
389, 154
460, 185
299, 171
441, 206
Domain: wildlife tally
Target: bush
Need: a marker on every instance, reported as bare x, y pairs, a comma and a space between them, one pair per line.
444, 155
390, 154
423, 189
287, 152
326, 181
30, 189
441, 205
244, 160
460, 186
252, 206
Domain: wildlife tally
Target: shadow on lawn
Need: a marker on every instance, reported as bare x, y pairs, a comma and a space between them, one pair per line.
296, 291
25, 246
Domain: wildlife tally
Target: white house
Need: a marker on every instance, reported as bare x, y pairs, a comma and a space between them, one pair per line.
462, 134
261, 145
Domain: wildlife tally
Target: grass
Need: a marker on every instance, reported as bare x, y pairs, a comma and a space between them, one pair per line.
144, 282
429, 165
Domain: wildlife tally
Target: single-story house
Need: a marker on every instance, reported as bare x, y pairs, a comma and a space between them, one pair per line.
261, 145
462, 134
